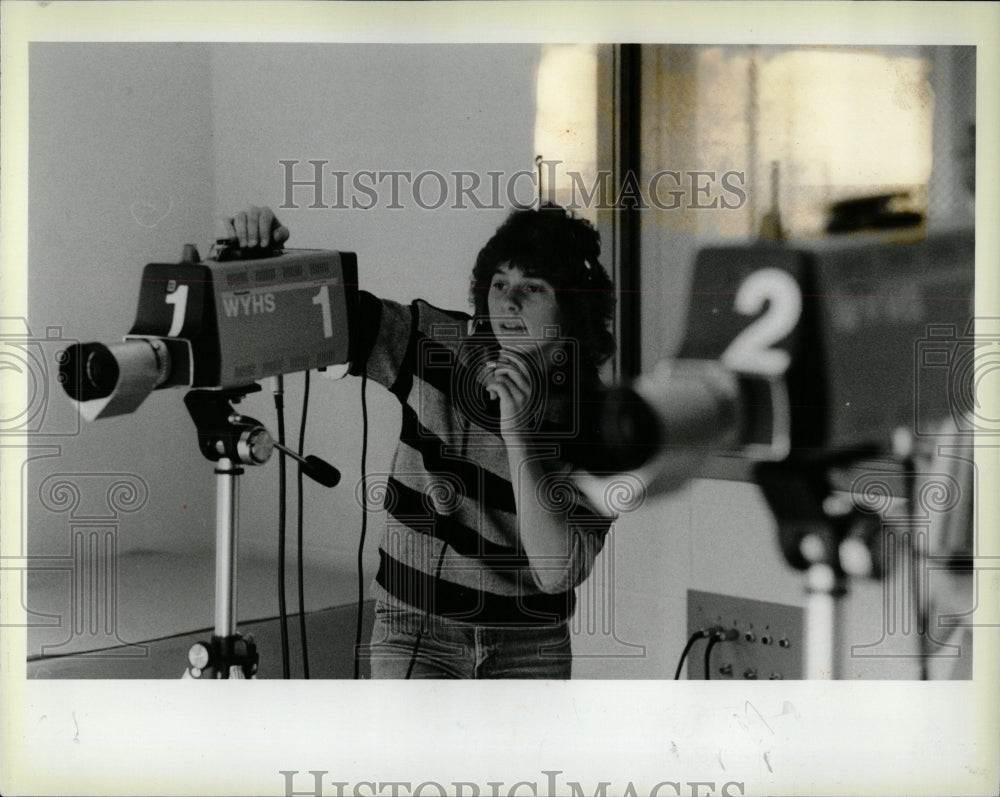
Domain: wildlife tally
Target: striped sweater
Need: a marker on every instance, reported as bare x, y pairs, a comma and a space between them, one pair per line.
450, 545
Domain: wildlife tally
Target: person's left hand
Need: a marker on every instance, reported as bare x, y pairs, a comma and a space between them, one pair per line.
514, 383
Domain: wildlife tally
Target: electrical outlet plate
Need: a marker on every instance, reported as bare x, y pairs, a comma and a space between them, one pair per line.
770, 645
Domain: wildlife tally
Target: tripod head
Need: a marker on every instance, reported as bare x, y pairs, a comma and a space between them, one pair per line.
225, 434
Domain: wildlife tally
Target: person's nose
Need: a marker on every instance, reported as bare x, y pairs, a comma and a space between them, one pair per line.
513, 301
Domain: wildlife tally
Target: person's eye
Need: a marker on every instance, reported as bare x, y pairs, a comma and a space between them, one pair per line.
499, 285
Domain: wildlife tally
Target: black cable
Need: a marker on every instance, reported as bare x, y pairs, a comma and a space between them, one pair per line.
712, 642
301, 567
364, 524
426, 619
413, 655
279, 405
687, 649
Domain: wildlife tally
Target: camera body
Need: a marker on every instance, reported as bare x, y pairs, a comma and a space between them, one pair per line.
841, 324
250, 318
797, 356
221, 323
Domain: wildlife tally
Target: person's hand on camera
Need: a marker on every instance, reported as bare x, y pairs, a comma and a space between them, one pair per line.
256, 226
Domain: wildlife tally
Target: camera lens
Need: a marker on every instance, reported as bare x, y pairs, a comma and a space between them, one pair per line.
624, 428
102, 370
88, 371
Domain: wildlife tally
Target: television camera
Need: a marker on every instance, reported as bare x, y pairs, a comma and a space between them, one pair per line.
216, 327
800, 361
240, 316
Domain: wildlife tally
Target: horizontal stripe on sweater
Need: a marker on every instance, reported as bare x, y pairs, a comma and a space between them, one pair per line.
410, 508
448, 599
478, 482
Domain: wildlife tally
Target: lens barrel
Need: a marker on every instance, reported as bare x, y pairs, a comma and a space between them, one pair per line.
89, 371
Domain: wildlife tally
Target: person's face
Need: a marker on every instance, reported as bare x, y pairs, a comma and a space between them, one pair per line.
521, 308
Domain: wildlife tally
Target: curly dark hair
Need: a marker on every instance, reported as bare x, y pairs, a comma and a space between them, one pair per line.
551, 243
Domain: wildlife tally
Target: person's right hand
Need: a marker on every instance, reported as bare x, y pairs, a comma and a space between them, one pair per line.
256, 227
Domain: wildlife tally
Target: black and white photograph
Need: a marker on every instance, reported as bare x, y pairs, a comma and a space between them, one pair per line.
343, 348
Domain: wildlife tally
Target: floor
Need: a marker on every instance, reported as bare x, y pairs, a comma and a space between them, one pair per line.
136, 615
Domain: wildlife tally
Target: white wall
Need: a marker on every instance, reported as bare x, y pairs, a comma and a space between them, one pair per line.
121, 175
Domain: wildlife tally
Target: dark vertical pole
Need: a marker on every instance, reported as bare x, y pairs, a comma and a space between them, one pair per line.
628, 219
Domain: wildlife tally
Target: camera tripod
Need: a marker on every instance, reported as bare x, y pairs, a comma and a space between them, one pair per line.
233, 441
831, 538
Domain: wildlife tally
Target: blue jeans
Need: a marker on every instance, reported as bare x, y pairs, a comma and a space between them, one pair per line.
407, 643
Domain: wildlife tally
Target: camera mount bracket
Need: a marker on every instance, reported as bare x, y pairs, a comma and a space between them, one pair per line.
222, 432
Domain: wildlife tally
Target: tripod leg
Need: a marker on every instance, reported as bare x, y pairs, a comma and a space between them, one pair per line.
823, 623
226, 546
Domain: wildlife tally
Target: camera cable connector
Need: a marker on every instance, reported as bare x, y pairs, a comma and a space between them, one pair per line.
717, 635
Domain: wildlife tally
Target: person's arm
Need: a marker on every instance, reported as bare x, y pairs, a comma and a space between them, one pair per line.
560, 555
543, 525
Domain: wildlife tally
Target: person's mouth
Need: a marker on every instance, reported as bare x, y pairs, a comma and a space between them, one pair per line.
513, 326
